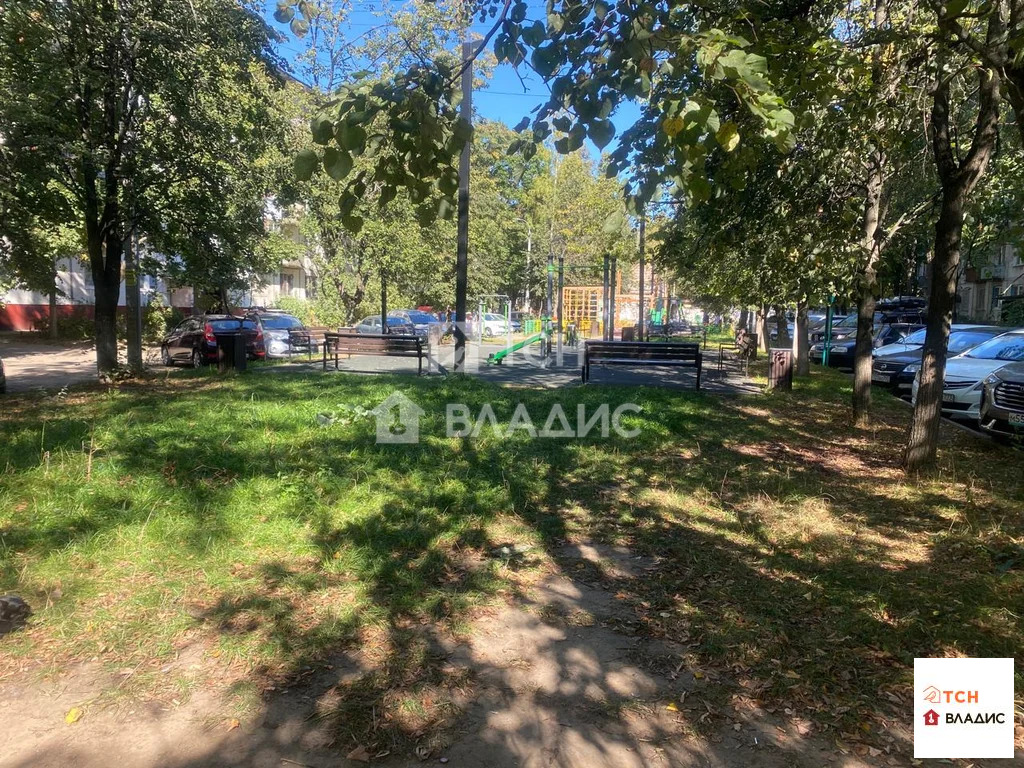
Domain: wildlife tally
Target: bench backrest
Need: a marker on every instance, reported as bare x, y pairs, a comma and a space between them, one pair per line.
642, 350
747, 343
372, 343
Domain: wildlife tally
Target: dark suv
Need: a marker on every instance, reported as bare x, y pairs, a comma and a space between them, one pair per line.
283, 334
1002, 402
195, 340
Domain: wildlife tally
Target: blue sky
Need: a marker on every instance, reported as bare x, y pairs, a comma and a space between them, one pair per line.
504, 99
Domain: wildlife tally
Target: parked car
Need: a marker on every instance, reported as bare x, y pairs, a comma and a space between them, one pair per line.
494, 325
397, 325
195, 340
283, 334
3, 378
519, 319
1002, 402
891, 361
843, 349
421, 321
966, 373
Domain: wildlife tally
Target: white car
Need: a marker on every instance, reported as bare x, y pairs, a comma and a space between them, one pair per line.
965, 373
495, 325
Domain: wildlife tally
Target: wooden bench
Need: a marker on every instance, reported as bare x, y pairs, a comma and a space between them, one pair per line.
641, 353
745, 348
305, 340
387, 345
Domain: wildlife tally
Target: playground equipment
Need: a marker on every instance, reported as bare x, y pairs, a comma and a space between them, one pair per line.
496, 358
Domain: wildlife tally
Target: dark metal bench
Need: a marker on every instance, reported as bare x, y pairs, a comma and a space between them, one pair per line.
387, 345
641, 353
745, 347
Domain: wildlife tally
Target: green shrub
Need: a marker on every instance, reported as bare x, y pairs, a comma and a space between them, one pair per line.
76, 326
301, 308
1013, 313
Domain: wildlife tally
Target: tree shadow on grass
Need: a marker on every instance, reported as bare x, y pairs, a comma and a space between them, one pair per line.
791, 566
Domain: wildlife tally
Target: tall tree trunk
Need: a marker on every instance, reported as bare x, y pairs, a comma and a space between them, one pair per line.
744, 319
107, 285
762, 325
871, 242
958, 178
801, 342
867, 291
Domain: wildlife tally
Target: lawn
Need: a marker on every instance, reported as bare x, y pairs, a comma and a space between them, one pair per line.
256, 517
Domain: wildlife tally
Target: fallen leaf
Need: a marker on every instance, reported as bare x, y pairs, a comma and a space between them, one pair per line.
360, 754
698, 675
73, 716
233, 723
671, 707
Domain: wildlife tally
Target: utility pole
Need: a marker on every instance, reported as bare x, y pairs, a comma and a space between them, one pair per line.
462, 248
383, 301
551, 286
604, 301
561, 292
643, 268
529, 252
613, 285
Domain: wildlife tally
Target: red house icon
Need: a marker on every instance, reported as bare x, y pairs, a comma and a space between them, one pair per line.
931, 717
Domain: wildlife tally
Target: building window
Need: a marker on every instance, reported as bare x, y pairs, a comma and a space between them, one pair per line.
997, 289
287, 284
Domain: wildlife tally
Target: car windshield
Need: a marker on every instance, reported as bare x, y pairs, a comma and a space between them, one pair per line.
961, 341
280, 322
398, 321
490, 316
917, 337
226, 324
1007, 347
420, 317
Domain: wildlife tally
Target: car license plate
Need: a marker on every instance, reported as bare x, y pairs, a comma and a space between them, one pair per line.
1017, 419
881, 378
948, 397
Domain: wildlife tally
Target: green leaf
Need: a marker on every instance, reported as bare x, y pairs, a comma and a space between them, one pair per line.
601, 132
337, 163
728, 137
283, 14
352, 137
601, 9
522, 125
445, 208
613, 223
322, 130
534, 34
299, 27
555, 22
387, 194
306, 163
352, 223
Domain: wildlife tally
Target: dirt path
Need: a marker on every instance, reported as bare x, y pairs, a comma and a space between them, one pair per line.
553, 678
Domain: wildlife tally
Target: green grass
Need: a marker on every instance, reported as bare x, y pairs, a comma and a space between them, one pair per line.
799, 564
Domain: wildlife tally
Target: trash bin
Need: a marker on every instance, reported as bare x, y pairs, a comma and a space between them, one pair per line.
780, 368
230, 350
629, 334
